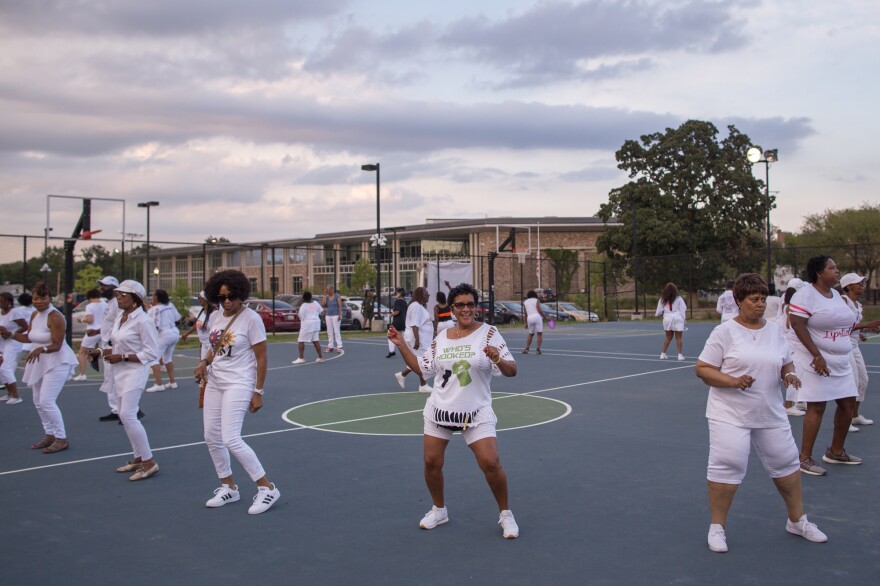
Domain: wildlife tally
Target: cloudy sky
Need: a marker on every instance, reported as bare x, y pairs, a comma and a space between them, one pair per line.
251, 119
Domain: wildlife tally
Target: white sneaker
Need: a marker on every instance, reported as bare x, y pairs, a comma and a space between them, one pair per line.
298, 361
680, 356
14, 401
4, 398
853, 429
436, 516
801, 405
400, 380
794, 412
264, 499
663, 356
805, 529
717, 538
425, 388
862, 420
156, 388
319, 360
80, 377
509, 528
222, 496
171, 386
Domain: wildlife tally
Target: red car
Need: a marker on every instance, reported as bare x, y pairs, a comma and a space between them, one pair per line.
286, 318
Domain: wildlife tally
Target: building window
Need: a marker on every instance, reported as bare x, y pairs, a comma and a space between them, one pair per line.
273, 282
234, 259
445, 247
410, 248
253, 281
253, 257
297, 285
349, 254
329, 256
277, 256
181, 268
298, 255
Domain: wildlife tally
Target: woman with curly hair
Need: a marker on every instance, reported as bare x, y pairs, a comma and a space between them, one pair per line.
672, 307
236, 372
50, 363
463, 360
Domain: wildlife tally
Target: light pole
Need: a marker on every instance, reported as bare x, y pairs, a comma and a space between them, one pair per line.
754, 155
148, 205
155, 272
377, 240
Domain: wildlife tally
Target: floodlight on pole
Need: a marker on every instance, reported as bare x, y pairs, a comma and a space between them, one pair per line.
756, 155
148, 205
377, 240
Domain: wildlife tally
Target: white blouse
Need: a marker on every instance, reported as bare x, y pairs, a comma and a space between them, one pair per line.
136, 336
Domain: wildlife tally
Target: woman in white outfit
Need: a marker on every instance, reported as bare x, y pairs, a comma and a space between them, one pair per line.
673, 309
853, 286
332, 304
726, 305
418, 335
49, 365
133, 349
822, 322
743, 361
463, 361
236, 371
309, 327
10, 348
792, 406
534, 320
96, 308
165, 318
201, 325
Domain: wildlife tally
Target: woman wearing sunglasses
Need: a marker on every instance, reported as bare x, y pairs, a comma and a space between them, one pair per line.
463, 360
237, 372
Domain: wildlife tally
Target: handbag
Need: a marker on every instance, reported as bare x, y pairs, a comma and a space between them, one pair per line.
203, 383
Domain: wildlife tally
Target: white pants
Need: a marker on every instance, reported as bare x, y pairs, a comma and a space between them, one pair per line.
860, 373
137, 435
729, 451
334, 337
223, 415
7, 369
108, 387
45, 393
535, 323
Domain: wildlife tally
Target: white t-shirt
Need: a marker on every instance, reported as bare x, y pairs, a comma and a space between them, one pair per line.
24, 312
165, 316
858, 313
531, 306
760, 354
417, 316
310, 316
109, 318
774, 306
463, 373
97, 309
726, 306
234, 363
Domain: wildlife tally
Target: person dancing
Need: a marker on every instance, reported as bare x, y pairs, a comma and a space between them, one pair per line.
463, 360
96, 308
534, 320
10, 348
165, 318
672, 307
234, 387
418, 335
201, 325
309, 327
853, 286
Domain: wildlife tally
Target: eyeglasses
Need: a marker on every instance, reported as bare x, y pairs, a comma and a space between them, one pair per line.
230, 297
121, 294
461, 305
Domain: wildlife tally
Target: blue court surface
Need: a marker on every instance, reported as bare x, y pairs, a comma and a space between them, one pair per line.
604, 445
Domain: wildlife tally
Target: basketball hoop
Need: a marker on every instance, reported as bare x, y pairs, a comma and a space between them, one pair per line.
522, 256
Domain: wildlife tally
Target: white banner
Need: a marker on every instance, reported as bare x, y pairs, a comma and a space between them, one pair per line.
444, 277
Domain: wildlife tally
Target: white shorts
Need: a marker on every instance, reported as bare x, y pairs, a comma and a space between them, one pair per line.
308, 335
90, 341
470, 434
536, 324
729, 448
673, 322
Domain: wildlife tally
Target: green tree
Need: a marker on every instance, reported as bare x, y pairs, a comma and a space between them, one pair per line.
180, 297
565, 266
363, 274
87, 278
850, 236
688, 194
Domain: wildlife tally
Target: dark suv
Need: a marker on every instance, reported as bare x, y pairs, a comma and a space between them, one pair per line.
545, 295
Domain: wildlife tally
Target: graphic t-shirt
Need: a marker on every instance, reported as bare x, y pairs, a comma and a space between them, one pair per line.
310, 316
463, 373
234, 361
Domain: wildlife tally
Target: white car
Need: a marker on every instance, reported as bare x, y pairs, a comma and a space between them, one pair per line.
576, 312
357, 311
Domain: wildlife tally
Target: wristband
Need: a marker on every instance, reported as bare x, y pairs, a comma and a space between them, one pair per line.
788, 374
258, 392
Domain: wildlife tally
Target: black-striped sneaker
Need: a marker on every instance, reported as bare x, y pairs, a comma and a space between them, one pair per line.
223, 495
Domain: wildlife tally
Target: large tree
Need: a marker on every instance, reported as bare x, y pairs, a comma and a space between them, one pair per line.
689, 195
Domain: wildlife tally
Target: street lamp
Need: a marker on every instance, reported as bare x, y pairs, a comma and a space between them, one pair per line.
377, 240
155, 272
148, 205
755, 155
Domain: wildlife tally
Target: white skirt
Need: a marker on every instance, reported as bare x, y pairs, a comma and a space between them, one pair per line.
673, 322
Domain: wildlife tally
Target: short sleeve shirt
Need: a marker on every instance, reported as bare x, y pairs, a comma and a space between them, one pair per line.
235, 363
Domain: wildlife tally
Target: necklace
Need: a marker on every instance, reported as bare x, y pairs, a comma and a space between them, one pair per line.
753, 331
459, 334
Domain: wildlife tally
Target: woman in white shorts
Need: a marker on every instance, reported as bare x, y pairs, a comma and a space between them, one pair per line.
853, 286
309, 327
742, 362
418, 336
96, 308
792, 406
822, 322
534, 318
165, 316
10, 348
463, 361
672, 307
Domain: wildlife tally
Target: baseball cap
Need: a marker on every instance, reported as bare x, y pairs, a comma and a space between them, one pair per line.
133, 287
109, 281
851, 279
796, 283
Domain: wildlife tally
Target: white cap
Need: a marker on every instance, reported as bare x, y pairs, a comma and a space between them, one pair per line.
133, 287
851, 279
109, 281
796, 283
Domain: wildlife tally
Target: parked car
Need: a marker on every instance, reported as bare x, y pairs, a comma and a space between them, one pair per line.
551, 313
286, 318
503, 314
511, 312
576, 312
545, 295
288, 298
357, 315
345, 320
78, 328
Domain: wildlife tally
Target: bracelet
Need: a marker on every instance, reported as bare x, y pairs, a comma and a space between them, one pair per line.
495, 361
788, 374
258, 392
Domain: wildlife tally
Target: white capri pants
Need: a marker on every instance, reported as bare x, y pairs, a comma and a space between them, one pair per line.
334, 336
223, 416
7, 369
860, 373
45, 394
168, 339
535, 323
134, 429
729, 448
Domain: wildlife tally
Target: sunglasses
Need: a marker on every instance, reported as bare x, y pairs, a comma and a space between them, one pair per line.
230, 297
461, 305
121, 294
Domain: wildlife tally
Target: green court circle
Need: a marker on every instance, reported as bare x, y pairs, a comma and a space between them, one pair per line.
401, 413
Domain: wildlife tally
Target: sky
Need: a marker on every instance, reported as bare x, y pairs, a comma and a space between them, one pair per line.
251, 120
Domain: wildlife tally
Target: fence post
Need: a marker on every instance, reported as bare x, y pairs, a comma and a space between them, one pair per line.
589, 287
691, 285
24, 265
605, 288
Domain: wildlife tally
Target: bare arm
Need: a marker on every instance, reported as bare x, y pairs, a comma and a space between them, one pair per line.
262, 366
799, 325
712, 376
